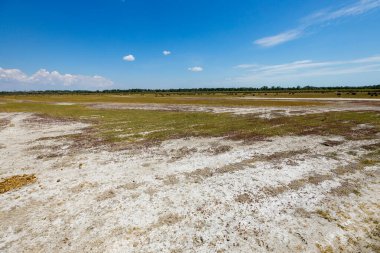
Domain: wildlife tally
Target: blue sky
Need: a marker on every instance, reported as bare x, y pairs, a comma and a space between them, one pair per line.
125, 44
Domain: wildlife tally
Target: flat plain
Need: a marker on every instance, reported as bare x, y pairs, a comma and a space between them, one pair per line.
190, 173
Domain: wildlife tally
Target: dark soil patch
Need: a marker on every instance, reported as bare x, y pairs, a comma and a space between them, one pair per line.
331, 143
244, 198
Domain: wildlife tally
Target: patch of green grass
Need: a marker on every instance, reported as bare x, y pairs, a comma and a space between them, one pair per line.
134, 125
151, 98
118, 125
333, 123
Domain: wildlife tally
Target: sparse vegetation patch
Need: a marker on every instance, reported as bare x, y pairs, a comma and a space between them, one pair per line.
15, 182
3, 123
125, 126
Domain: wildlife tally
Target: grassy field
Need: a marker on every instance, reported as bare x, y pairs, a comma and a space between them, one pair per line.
151, 98
114, 125
196, 97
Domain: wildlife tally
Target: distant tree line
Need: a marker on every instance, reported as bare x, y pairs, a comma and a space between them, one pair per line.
208, 90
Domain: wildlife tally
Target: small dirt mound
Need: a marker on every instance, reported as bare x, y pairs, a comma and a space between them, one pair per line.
16, 182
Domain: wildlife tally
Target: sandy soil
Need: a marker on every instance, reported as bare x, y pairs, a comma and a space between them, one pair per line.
288, 194
263, 112
314, 99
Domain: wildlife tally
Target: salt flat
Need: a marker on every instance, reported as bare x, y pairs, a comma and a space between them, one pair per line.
195, 194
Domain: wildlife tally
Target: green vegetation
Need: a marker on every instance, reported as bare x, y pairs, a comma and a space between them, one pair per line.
372, 90
204, 96
151, 98
143, 125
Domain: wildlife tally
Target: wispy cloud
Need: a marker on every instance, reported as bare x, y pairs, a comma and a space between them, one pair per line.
129, 57
195, 69
307, 68
318, 18
42, 78
246, 66
166, 52
280, 38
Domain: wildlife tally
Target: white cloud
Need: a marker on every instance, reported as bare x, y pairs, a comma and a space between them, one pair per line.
129, 58
43, 78
12, 74
246, 66
279, 38
358, 8
319, 18
195, 69
307, 68
166, 52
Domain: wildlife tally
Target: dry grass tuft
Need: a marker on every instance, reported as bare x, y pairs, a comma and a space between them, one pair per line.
295, 185
244, 198
106, 195
182, 152
219, 149
313, 179
318, 178
130, 186
371, 147
345, 189
171, 180
372, 158
280, 156
48, 156
43, 119
16, 182
199, 174
325, 215
327, 249
168, 219
274, 191
4, 123
351, 168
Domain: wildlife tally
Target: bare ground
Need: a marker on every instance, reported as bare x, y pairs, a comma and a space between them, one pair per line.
333, 105
285, 194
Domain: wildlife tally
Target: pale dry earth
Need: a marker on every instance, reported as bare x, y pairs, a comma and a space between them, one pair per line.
314, 99
284, 194
262, 112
